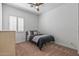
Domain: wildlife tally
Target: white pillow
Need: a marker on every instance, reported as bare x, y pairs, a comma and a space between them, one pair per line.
35, 33
28, 36
29, 33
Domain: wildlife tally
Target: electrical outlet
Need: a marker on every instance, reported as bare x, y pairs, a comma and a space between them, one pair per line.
72, 44
78, 51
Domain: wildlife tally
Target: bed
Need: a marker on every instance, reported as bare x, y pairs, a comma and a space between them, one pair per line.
39, 39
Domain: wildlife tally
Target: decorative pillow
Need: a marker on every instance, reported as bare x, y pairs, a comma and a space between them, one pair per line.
35, 33
32, 32
29, 33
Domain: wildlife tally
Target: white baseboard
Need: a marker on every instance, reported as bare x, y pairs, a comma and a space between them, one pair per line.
66, 45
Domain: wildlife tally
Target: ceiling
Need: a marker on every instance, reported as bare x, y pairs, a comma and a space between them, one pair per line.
43, 8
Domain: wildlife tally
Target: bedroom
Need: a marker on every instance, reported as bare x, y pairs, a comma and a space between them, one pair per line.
56, 19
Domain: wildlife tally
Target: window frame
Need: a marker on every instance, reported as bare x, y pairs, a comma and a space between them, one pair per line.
16, 26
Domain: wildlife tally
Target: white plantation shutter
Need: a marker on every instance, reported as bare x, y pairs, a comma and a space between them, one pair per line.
0, 17
16, 23
20, 24
0, 24
13, 23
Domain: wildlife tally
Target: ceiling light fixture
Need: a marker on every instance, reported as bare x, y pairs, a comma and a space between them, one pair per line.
35, 5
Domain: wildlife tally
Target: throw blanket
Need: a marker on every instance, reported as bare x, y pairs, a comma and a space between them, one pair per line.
36, 38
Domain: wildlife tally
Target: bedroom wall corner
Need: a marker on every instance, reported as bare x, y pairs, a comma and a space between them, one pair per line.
61, 22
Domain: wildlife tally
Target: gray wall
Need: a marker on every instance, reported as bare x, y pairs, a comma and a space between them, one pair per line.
30, 20
61, 22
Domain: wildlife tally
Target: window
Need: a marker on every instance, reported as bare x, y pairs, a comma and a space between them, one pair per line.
16, 24
0, 17
0, 24
20, 24
13, 23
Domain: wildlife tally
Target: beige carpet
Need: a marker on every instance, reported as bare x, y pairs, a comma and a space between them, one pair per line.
50, 49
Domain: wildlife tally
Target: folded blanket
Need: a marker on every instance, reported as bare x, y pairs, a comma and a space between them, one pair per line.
36, 38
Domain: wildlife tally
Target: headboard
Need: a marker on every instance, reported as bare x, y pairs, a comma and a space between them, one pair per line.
31, 33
